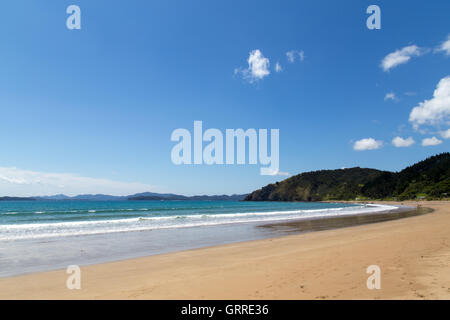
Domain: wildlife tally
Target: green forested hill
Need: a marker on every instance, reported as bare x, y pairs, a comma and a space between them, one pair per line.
429, 178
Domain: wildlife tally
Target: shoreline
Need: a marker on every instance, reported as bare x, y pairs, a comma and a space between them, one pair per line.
328, 264
27, 256
345, 221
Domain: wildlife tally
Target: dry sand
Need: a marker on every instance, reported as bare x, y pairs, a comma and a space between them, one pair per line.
413, 254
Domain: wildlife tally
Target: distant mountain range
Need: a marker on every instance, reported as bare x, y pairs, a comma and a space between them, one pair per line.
170, 196
427, 179
134, 197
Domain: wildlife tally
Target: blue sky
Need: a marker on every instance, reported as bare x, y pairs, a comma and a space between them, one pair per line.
92, 110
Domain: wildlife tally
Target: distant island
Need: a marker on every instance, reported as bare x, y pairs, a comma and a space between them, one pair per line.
134, 197
428, 179
16, 199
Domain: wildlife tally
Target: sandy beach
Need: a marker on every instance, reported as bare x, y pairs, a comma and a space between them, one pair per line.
413, 254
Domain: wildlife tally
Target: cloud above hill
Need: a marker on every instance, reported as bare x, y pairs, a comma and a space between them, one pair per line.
427, 142
400, 142
367, 144
435, 110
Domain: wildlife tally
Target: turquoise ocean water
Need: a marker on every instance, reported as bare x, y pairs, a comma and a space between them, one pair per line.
44, 219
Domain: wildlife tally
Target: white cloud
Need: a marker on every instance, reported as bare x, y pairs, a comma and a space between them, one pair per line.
293, 54
258, 67
367, 144
301, 55
445, 134
276, 172
278, 67
400, 142
435, 110
390, 96
399, 57
431, 142
258, 64
18, 182
445, 46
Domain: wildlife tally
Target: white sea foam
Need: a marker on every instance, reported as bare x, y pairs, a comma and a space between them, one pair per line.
89, 227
